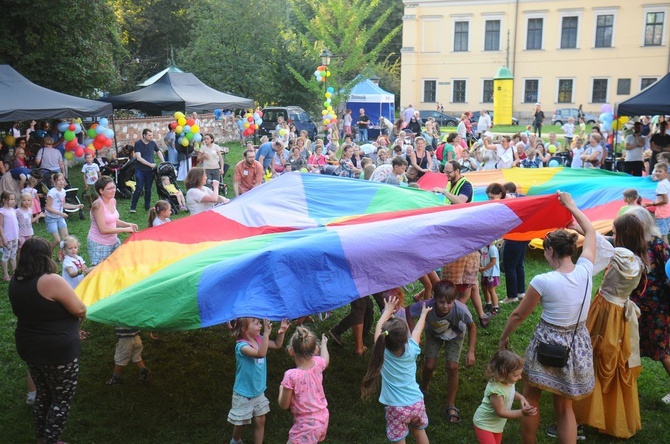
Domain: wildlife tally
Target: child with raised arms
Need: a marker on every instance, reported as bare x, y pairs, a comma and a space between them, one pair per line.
26, 218
504, 370
394, 358
302, 388
160, 213
249, 401
55, 209
30, 189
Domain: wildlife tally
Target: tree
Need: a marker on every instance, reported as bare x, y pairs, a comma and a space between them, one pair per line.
347, 28
66, 45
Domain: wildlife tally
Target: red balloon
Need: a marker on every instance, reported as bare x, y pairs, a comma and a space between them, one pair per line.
72, 144
97, 144
107, 142
260, 113
250, 119
190, 122
72, 127
89, 151
79, 151
173, 125
100, 138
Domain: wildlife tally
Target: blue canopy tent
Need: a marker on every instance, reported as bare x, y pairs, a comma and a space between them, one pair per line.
373, 99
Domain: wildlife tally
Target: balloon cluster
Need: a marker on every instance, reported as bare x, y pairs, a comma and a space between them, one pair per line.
251, 122
217, 114
329, 117
609, 120
98, 136
321, 73
185, 129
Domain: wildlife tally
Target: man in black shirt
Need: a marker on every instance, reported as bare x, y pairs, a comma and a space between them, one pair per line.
144, 172
659, 142
363, 124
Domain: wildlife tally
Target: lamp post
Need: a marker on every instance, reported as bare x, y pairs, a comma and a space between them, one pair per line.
325, 61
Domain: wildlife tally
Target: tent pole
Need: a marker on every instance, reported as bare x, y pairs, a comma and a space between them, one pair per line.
116, 146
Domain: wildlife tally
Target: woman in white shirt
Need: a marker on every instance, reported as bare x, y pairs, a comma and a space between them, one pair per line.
198, 197
565, 297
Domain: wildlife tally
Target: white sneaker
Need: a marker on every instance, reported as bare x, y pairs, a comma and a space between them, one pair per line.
30, 398
666, 399
509, 301
520, 296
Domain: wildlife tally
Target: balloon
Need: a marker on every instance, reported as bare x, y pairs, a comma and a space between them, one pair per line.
256, 116
260, 113
94, 125
184, 142
622, 120
331, 89
62, 127
100, 129
100, 138
283, 132
103, 121
324, 112
258, 122
195, 129
77, 128
326, 121
197, 137
187, 129
654, 120
9, 140
607, 125
98, 144
553, 162
606, 108
88, 141
325, 103
71, 127
91, 132
69, 155
107, 143
179, 115
179, 129
69, 135
91, 147
551, 148
173, 125
323, 79
190, 122
328, 95
327, 73
72, 144
667, 268
189, 136
79, 151
246, 125
181, 121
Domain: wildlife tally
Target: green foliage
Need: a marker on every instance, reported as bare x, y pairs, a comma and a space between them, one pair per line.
71, 46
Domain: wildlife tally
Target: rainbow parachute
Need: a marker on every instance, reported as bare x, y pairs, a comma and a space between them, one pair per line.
297, 245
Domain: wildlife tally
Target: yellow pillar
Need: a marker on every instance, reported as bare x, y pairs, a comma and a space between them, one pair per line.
503, 96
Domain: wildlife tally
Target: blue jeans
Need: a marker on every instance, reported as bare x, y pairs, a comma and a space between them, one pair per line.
362, 134
144, 180
513, 257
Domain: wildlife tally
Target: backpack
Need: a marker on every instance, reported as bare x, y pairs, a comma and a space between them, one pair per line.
439, 152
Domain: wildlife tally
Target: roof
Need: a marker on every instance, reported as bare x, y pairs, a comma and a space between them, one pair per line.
653, 100
24, 100
151, 80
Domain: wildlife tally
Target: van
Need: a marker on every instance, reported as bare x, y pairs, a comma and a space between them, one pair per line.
291, 114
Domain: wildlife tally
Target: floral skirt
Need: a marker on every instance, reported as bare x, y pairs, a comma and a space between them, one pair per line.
576, 380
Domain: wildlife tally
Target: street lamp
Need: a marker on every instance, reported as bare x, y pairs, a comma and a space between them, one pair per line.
325, 57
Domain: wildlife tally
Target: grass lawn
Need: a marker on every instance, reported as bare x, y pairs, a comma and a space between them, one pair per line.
193, 373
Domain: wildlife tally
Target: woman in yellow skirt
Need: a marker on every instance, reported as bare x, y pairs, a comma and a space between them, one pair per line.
613, 407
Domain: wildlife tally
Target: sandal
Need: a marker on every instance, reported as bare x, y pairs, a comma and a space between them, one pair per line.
335, 337
7, 278
114, 380
455, 417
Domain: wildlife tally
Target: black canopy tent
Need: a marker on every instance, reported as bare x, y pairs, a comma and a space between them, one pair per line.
177, 91
653, 100
21, 99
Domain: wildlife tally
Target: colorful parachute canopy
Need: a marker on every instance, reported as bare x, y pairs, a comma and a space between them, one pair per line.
299, 244
598, 193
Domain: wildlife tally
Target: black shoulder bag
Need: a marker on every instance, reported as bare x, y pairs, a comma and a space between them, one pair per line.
553, 355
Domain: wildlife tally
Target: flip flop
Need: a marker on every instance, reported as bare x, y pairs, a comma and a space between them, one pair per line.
455, 417
7, 278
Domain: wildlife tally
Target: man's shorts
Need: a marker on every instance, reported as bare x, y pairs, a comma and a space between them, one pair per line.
663, 225
452, 348
244, 409
127, 349
400, 419
55, 223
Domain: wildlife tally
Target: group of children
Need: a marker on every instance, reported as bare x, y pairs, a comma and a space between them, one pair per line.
393, 361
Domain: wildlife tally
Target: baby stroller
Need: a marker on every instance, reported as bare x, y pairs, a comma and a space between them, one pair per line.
166, 169
71, 196
123, 173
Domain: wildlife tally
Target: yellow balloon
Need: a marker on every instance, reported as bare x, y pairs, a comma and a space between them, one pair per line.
10, 140
247, 115
328, 95
181, 121
179, 115
69, 155
91, 147
324, 112
178, 129
623, 120
246, 125
326, 121
195, 129
327, 73
184, 142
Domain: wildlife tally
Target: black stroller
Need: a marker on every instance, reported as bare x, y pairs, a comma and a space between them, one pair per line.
71, 196
166, 169
122, 172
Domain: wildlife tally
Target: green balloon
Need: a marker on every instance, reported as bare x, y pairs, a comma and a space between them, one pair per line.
69, 135
189, 136
91, 133
326, 103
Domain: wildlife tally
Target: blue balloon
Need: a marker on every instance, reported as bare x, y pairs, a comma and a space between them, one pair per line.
667, 268
88, 141
63, 126
187, 129
103, 122
553, 163
331, 89
77, 128
109, 133
197, 137
100, 129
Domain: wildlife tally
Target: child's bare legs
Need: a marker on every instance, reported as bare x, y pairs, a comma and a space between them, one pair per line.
452, 383
429, 365
427, 281
22, 181
259, 429
472, 293
494, 296
237, 432
181, 200
420, 436
530, 424
5, 272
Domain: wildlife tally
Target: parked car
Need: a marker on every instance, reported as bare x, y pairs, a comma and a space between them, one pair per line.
475, 118
441, 118
291, 114
562, 115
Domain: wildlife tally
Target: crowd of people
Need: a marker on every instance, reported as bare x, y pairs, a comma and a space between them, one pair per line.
602, 340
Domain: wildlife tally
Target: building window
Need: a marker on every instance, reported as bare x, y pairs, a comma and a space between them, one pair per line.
565, 90
530, 90
599, 94
653, 30
461, 30
492, 35
623, 87
534, 37
604, 28
430, 91
459, 89
569, 33
487, 91
646, 82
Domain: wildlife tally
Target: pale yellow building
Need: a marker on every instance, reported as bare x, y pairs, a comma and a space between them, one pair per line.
562, 53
